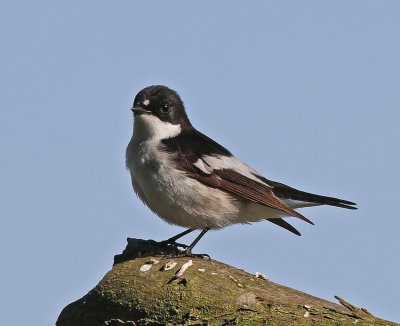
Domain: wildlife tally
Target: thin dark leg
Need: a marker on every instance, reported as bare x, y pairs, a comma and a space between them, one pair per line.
179, 235
188, 250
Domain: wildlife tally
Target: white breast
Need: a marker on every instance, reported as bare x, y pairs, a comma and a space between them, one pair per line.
172, 195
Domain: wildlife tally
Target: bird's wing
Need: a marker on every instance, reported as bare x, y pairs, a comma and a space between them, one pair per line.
208, 162
233, 177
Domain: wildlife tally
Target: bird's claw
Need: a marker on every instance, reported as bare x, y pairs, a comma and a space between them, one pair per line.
173, 244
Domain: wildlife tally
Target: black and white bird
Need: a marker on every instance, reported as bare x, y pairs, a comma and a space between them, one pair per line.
190, 180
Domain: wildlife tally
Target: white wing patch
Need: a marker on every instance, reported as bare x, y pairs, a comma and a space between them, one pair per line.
209, 163
203, 166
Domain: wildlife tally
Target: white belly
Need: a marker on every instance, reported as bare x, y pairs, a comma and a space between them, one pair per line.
176, 198
184, 201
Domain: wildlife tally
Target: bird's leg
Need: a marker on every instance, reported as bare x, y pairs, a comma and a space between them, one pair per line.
173, 239
188, 250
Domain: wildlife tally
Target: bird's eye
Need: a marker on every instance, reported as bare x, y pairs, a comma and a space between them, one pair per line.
165, 108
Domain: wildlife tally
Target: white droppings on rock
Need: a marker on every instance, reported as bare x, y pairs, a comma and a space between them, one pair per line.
184, 267
146, 267
201, 270
149, 263
169, 265
213, 273
262, 276
152, 261
307, 313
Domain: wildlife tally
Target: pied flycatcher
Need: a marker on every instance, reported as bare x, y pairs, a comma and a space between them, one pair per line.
190, 180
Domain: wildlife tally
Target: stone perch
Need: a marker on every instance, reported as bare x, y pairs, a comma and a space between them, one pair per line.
146, 287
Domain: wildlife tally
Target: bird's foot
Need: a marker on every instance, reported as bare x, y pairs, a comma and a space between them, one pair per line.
186, 252
168, 243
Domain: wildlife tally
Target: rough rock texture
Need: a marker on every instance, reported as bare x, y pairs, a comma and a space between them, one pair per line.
141, 290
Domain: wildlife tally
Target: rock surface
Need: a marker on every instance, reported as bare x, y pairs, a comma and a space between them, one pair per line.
143, 289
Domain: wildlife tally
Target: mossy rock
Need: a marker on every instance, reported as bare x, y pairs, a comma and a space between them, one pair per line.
208, 293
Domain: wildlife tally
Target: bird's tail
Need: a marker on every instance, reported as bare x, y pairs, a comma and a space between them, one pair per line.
285, 192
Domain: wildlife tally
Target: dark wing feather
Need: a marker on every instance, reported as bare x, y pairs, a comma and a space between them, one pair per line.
240, 185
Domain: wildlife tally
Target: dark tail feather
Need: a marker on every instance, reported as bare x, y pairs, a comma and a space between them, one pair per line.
282, 223
322, 200
283, 191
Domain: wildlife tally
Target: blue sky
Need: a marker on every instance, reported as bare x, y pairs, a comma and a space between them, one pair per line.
306, 92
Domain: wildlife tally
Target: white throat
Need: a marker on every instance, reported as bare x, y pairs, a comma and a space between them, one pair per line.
150, 127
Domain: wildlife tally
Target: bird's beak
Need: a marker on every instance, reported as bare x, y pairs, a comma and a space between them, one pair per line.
139, 110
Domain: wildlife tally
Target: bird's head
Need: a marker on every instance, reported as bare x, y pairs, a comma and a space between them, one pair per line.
159, 112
